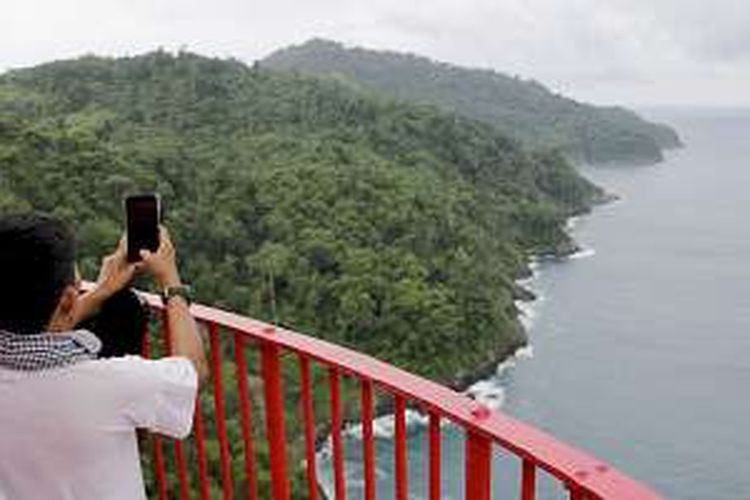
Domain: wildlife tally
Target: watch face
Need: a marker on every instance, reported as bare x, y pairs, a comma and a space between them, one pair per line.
177, 291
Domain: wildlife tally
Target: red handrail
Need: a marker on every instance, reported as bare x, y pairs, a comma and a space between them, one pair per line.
583, 475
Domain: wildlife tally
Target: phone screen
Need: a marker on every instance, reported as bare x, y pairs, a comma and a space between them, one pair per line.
142, 224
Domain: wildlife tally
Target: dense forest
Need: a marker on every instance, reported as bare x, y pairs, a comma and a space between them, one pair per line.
394, 228
522, 109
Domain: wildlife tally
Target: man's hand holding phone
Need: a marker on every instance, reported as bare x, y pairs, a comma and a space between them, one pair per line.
162, 264
116, 272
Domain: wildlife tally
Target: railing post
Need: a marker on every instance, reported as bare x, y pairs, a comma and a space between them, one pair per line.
575, 492
339, 480
308, 419
478, 481
221, 422
528, 480
368, 445
400, 465
435, 446
200, 448
274, 399
247, 428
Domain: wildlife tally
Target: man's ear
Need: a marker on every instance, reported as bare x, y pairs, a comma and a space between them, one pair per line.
63, 319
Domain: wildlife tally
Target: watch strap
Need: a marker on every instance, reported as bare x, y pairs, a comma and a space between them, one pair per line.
183, 291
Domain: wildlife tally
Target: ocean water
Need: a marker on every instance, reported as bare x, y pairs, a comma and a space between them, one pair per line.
641, 343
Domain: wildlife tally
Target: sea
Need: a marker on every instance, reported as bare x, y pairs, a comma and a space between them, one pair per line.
639, 344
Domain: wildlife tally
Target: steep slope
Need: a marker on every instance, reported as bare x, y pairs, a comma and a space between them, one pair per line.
522, 109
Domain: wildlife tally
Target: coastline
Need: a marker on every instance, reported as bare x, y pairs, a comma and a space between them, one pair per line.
475, 381
485, 382
524, 296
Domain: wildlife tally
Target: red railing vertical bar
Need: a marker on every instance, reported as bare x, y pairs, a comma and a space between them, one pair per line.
245, 415
336, 423
368, 441
159, 471
575, 492
182, 479
247, 427
179, 455
401, 472
221, 427
204, 487
274, 401
308, 419
435, 456
528, 480
161, 478
478, 480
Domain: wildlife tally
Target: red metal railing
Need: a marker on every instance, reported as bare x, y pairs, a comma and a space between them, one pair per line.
584, 476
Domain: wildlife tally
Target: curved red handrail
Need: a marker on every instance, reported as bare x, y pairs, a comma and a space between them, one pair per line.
584, 475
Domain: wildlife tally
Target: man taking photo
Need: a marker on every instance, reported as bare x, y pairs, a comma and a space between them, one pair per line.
68, 418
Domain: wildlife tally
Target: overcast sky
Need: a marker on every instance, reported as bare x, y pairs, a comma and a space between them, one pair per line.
633, 52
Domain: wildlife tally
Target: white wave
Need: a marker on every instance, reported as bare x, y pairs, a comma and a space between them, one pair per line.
525, 352
583, 253
502, 368
384, 427
491, 391
572, 222
528, 311
524, 281
535, 267
527, 321
488, 392
534, 264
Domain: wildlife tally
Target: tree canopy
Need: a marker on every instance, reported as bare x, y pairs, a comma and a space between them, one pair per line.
386, 226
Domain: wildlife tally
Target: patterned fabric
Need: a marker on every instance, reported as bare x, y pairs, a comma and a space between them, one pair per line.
45, 351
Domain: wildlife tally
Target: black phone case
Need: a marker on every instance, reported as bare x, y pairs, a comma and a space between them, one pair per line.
142, 214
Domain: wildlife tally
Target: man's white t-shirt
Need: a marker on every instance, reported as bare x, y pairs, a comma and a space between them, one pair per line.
69, 433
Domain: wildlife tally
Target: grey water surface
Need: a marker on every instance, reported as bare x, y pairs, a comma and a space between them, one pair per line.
641, 350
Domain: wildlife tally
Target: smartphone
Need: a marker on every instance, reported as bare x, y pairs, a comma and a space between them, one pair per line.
143, 212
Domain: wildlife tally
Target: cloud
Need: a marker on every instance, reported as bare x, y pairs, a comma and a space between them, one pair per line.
642, 50
715, 31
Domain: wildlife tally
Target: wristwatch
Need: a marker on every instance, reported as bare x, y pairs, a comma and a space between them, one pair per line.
183, 291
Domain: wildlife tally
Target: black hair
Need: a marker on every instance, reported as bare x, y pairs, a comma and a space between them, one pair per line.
120, 324
37, 262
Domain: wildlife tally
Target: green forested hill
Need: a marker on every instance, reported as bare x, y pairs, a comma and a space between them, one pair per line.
393, 228
379, 225
522, 109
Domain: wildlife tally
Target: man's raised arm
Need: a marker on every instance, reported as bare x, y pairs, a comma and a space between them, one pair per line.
185, 338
